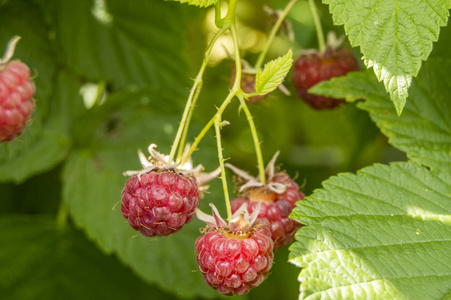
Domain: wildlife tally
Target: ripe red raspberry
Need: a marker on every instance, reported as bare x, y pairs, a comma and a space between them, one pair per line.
236, 257
162, 197
16, 96
314, 67
278, 198
275, 207
159, 203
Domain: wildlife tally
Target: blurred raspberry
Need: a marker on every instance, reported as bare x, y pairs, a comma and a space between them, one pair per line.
16, 99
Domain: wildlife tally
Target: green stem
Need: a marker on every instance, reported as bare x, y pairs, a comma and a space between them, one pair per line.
61, 217
230, 24
219, 21
273, 33
185, 130
194, 93
217, 123
318, 27
258, 150
210, 123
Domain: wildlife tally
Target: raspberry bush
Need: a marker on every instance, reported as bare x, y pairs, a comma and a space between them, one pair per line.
361, 191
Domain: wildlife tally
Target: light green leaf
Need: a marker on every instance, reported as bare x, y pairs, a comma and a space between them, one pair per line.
394, 37
44, 142
273, 74
41, 262
93, 182
424, 129
200, 3
384, 233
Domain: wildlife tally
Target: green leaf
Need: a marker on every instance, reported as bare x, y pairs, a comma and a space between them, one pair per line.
273, 74
424, 129
384, 233
44, 142
41, 262
394, 37
125, 43
93, 182
200, 3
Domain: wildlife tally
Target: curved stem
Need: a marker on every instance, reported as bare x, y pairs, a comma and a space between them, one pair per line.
230, 24
217, 122
219, 21
273, 33
194, 93
204, 130
318, 27
185, 130
258, 150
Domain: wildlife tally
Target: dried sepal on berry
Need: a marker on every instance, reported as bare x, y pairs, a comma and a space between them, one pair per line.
159, 162
278, 197
235, 255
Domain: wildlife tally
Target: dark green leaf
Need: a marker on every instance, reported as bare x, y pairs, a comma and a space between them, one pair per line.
424, 129
138, 43
41, 262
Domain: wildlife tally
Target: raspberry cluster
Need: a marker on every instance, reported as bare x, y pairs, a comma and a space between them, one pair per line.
159, 203
16, 99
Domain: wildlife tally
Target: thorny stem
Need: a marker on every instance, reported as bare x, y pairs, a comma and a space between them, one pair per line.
318, 27
207, 127
230, 25
217, 121
185, 130
258, 150
227, 23
194, 93
273, 33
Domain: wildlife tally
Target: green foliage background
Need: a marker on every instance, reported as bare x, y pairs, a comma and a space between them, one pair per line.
61, 234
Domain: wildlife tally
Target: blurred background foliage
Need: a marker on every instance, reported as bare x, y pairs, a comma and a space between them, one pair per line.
107, 87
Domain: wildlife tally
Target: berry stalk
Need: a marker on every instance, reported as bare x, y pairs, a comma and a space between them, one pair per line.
318, 27
192, 98
210, 123
218, 125
258, 150
229, 24
185, 129
273, 33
